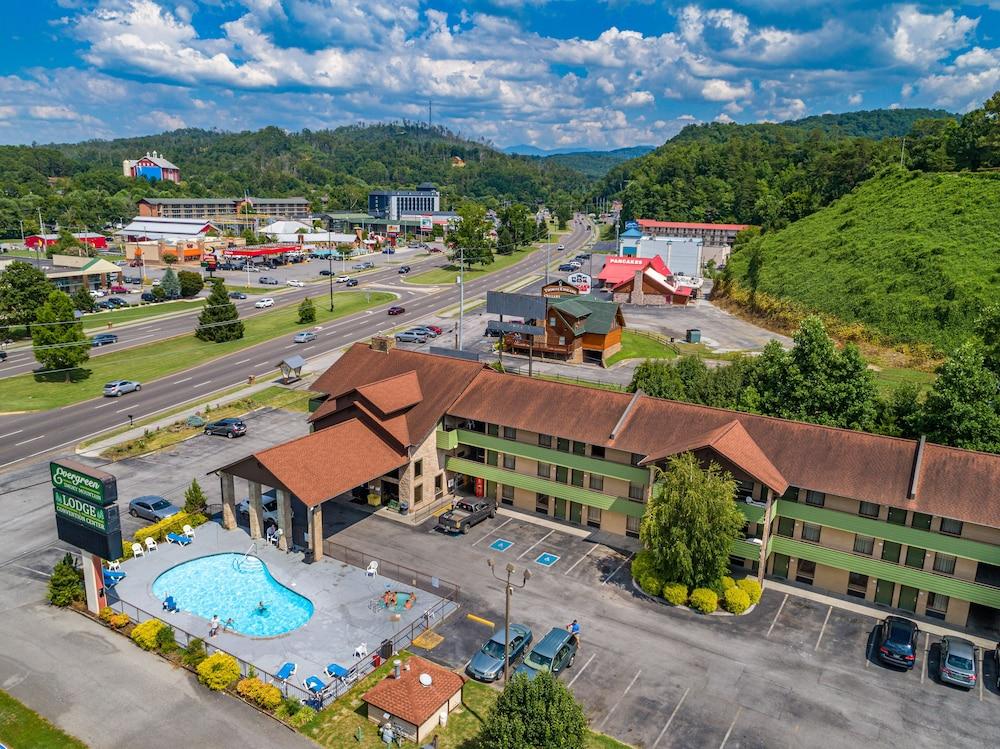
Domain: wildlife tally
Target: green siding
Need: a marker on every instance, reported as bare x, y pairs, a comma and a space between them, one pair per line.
949, 586
959, 547
447, 440
753, 513
555, 457
746, 550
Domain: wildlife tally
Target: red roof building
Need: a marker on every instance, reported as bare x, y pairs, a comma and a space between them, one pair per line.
641, 280
97, 241
414, 700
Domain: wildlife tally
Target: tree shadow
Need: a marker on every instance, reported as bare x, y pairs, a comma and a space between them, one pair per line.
75, 375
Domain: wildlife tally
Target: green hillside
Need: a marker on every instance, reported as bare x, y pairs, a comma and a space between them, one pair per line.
914, 256
595, 164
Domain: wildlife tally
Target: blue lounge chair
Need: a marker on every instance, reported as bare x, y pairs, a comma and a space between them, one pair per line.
336, 671
176, 538
169, 604
111, 579
314, 684
287, 671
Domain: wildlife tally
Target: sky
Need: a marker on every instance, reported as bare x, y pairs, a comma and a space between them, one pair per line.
551, 73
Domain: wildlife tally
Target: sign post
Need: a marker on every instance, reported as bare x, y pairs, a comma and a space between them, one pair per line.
582, 281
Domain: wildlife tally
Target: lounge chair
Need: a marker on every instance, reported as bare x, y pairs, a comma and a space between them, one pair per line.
150, 544
372, 570
287, 671
111, 579
137, 550
314, 684
177, 538
169, 604
336, 671
188, 531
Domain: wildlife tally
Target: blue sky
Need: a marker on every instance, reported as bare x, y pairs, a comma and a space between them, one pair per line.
552, 73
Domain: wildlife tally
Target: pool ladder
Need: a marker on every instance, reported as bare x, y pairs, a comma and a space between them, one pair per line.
249, 563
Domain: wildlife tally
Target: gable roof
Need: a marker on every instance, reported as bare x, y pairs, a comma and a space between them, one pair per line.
408, 699
598, 316
394, 393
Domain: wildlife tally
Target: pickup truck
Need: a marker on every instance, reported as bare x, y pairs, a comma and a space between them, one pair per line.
465, 514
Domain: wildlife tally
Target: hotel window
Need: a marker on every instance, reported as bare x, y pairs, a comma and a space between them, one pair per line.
493, 430
890, 551
635, 492
805, 572
597, 451
915, 557
576, 478
951, 527
744, 489
811, 532
896, 516
868, 509
562, 474
937, 605
791, 494
596, 482
542, 504
579, 448
507, 494
544, 470
439, 485
921, 521
418, 469
594, 517
545, 440
944, 563
509, 433
786, 527
562, 444
636, 459
491, 457
509, 462
632, 527
864, 545
815, 498
418, 494
857, 585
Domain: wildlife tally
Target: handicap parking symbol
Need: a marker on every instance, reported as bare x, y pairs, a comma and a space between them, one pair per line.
501, 544
546, 559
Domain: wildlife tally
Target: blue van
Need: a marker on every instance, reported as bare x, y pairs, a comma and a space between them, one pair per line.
556, 651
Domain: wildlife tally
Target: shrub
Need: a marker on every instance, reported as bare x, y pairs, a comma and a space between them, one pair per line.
703, 600
66, 583
675, 593
727, 583
165, 641
158, 531
194, 653
119, 620
751, 587
146, 634
254, 690
736, 600
294, 713
642, 564
194, 499
218, 671
307, 312
106, 614
651, 583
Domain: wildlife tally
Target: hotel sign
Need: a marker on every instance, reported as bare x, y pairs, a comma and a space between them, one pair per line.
85, 501
82, 511
83, 482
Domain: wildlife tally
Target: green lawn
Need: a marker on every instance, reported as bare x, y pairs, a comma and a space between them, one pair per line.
253, 289
638, 346
889, 378
21, 728
33, 392
96, 321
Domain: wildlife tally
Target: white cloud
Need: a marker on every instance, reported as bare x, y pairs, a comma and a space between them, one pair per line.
638, 99
51, 112
720, 90
855, 99
921, 39
723, 117
165, 121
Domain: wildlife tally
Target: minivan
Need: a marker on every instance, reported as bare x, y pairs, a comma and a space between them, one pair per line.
556, 651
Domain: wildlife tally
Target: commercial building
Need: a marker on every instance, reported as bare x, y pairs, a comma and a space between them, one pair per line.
147, 228
577, 329
642, 281
394, 204
710, 234
219, 208
903, 523
153, 167
71, 272
183, 250
97, 241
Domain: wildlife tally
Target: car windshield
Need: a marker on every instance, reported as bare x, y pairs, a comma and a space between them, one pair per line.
159, 504
493, 649
959, 662
111, 385
538, 662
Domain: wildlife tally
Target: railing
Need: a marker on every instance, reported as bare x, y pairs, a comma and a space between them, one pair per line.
398, 572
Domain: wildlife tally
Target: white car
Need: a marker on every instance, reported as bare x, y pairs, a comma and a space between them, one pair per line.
97, 293
269, 501
343, 279
293, 282
264, 303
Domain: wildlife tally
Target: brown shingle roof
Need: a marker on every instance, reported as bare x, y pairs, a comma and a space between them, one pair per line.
395, 393
408, 699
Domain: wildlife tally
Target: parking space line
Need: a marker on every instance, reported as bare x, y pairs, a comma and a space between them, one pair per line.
927, 647
823, 628
582, 669
627, 560
615, 706
731, 725
593, 546
982, 676
776, 615
671, 718
535, 544
492, 531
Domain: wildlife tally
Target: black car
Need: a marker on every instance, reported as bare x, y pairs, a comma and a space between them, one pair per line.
403, 269
326, 272
898, 642
132, 279
267, 280
491, 330
147, 296
227, 428
103, 339
567, 268
117, 301
3, 355
351, 282
237, 295
104, 304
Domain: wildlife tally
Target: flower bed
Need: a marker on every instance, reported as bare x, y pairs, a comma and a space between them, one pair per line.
736, 597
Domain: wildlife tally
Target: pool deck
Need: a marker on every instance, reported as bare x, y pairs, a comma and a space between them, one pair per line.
342, 595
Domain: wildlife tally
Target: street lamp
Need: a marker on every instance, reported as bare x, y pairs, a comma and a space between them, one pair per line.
509, 589
329, 265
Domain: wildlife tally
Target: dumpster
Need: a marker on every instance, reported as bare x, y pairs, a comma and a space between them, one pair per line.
693, 335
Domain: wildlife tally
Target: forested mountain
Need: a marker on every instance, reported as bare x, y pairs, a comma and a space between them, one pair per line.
876, 124
81, 185
595, 164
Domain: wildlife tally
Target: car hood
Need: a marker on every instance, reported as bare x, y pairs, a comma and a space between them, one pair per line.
166, 513
485, 665
527, 670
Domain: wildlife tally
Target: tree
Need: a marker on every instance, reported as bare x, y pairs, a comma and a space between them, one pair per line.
470, 239
23, 291
170, 284
755, 263
658, 379
66, 583
563, 214
219, 321
194, 498
540, 713
690, 522
190, 283
158, 293
83, 300
517, 228
963, 407
67, 244
57, 336
307, 312
988, 330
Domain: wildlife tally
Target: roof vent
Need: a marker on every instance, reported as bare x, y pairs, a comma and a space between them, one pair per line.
426, 680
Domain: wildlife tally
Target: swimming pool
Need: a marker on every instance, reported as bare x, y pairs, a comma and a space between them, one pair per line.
232, 586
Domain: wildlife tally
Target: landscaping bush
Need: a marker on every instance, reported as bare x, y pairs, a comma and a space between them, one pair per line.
727, 583
751, 587
736, 600
106, 614
158, 531
194, 653
644, 573
218, 671
254, 690
703, 600
675, 593
166, 643
195, 500
119, 620
294, 712
145, 634
66, 583
651, 583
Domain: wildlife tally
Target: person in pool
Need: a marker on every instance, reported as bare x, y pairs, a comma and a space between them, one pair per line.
261, 607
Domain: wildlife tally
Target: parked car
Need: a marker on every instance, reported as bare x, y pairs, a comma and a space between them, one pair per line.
98, 293
957, 664
343, 279
269, 501
435, 328
103, 339
264, 303
304, 337
237, 295
408, 336
326, 272
118, 289
898, 642
3, 355
156, 282
566, 268
249, 268
117, 301
492, 331
147, 296
396, 310
117, 388
367, 264
996, 657
487, 663
152, 508
359, 266
403, 269
295, 282
103, 305
268, 281
133, 279
425, 330
555, 652
351, 282
465, 514
583, 256
231, 427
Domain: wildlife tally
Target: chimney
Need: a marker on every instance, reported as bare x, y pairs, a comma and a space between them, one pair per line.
918, 460
382, 343
395, 668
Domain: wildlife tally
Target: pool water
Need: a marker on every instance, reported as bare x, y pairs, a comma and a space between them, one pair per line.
231, 586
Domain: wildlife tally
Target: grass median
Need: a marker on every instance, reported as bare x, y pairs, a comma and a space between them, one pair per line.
21, 727
99, 321
36, 392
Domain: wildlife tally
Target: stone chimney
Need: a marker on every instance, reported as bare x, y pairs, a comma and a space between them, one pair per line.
383, 343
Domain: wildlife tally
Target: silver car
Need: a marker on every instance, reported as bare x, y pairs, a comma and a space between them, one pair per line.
410, 336
958, 662
151, 508
487, 664
120, 387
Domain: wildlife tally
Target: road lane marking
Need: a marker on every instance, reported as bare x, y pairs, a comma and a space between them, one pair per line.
18, 444
243, 361
105, 404
615, 707
292, 346
582, 669
535, 544
776, 615
492, 531
823, 628
123, 410
178, 382
927, 647
198, 385
593, 546
10, 434
671, 718
731, 725
627, 560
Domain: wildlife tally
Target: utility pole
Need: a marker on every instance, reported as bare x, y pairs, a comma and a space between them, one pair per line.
461, 293
329, 265
508, 590
41, 236
902, 150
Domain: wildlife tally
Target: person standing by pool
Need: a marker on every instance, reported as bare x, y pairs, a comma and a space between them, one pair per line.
213, 626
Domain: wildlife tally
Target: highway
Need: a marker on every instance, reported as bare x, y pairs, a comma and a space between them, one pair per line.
30, 435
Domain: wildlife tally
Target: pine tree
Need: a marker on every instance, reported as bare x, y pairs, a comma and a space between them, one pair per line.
219, 321
170, 284
83, 300
57, 337
194, 498
307, 312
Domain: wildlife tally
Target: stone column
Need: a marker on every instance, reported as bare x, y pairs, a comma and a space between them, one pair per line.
228, 500
284, 519
93, 582
315, 537
256, 512
765, 534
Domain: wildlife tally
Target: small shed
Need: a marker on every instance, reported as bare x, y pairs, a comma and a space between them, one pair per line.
415, 698
291, 368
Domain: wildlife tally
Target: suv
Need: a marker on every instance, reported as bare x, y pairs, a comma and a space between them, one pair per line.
230, 428
898, 642
268, 281
269, 501
556, 651
103, 339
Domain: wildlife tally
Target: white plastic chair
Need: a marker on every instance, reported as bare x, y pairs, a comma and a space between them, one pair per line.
189, 532
361, 650
372, 570
150, 544
115, 565
137, 550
